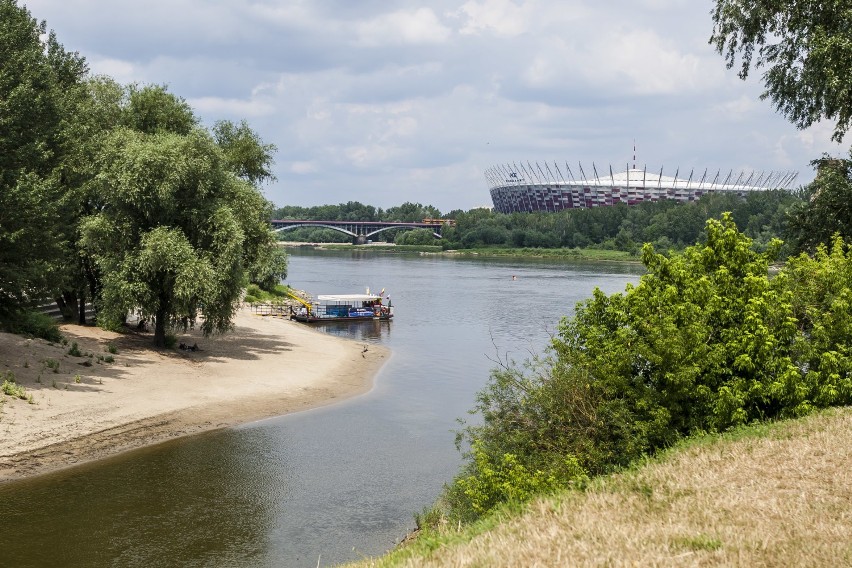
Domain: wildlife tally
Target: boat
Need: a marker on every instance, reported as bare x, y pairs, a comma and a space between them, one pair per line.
344, 307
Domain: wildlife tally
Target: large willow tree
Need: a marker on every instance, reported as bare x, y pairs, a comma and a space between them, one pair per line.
178, 233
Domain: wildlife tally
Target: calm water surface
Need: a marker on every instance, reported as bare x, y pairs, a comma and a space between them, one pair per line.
327, 485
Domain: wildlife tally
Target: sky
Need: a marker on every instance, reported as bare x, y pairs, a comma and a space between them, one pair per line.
388, 101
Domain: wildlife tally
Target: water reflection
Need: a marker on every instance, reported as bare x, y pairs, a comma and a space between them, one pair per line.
123, 512
373, 331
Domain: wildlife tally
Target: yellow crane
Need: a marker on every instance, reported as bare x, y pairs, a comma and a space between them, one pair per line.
301, 301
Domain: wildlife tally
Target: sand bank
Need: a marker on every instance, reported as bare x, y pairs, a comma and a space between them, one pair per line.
90, 409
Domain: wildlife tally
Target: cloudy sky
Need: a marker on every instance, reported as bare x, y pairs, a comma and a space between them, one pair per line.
387, 101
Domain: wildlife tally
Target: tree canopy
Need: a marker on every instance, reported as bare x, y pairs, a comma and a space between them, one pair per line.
805, 49
38, 79
178, 233
827, 211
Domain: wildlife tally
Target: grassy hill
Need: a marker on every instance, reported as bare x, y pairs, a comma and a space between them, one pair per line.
765, 495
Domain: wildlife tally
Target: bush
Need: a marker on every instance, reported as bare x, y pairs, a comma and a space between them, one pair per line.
11, 388
74, 350
705, 342
34, 324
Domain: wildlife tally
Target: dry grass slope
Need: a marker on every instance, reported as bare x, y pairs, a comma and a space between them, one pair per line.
781, 499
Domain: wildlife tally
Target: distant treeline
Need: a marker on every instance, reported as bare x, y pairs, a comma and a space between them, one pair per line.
667, 224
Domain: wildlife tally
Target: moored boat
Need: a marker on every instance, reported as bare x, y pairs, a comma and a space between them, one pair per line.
344, 307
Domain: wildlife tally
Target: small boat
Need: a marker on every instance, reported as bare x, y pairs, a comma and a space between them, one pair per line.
344, 307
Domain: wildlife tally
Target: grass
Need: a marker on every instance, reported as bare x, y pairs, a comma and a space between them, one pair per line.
13, 389
502, 252
767, 495
254, 294
52, 364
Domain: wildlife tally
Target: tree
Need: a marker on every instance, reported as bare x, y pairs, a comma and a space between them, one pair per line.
178, 234
37, 80
805, 47
245, 153
828, 210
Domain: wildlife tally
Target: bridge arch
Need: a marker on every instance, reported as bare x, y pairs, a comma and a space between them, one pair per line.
340, 229
357, 238
406, 227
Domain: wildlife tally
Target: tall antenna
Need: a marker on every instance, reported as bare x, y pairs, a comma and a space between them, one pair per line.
634, 154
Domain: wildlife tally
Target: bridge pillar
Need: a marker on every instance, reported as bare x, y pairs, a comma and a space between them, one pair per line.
359, 240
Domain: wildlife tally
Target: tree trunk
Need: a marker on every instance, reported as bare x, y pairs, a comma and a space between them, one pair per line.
160, 328
82, 319
163, 311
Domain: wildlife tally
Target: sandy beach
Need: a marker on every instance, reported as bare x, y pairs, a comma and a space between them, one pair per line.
90, 408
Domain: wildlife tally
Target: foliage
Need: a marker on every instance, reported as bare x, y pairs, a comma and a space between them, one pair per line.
33, 324
37, 80
415, 237
704, 343
805, 47
74, 350
277, 294
11, 388
178, 233
245, 153
828, 209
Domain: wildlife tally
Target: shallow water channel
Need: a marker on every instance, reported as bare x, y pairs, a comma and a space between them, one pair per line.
323, 486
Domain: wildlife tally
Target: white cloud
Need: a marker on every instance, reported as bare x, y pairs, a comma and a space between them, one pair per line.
502, 17
421, 26
231, 107
388, 102
122, 71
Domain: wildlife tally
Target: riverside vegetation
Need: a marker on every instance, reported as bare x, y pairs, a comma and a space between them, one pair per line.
118, 196
706, 343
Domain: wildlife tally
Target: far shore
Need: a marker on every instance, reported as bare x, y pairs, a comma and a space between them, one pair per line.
92, 408
556, 254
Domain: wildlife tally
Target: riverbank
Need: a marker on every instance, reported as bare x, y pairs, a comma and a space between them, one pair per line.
573, 254
773, 494
88, 407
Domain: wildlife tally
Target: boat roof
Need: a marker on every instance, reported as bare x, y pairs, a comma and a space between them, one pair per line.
348, 297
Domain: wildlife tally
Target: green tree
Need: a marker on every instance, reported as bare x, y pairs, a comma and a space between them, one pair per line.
828, 209
38, 78
805, 47
178, 235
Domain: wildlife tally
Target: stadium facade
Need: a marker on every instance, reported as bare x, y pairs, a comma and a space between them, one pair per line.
531, 187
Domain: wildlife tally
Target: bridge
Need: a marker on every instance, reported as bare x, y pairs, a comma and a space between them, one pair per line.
361, 231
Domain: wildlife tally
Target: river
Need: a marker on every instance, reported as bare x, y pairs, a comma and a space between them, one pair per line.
324, 486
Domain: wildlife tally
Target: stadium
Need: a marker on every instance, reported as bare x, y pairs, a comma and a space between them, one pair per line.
528, 188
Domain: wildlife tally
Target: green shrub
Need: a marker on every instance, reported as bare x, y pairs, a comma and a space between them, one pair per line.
74, 350
11, 388
705, 342
253, 290
170, 340
109, 359
34, 324
490, 481
249, 299
111, 348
